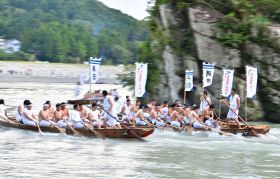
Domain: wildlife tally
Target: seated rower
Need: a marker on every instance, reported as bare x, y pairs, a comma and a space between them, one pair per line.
163, 111
65, 112
45, 116
3, 112
19, 112
28, 116
209, 117
140, 116
75, 117
94, 117
195, 121
175, 117
154, 117
83, 113
125, 111
58, 116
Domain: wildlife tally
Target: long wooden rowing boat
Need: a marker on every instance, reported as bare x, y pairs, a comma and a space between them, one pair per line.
82, 101
108, 133
253, 130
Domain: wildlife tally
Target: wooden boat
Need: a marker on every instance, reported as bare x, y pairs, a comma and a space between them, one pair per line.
107, 133
82, 101
252, 130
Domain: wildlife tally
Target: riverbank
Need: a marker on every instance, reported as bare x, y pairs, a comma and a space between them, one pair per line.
17, 71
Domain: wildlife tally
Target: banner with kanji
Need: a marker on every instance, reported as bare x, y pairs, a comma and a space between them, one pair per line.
227, 82
94, 69
141, 74
251, 81
188, 80
207, 73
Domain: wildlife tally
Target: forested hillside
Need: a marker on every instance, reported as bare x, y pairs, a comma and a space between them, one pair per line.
70, 30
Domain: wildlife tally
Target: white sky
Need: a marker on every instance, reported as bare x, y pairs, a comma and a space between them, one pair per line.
134, 8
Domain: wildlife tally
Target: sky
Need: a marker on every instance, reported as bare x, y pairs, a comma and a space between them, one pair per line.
134, 8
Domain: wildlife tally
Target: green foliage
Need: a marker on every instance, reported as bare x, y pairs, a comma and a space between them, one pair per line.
15, 56
71, 31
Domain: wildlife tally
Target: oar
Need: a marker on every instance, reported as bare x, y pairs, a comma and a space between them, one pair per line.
39, 128
129, 129
72, 129
253, 131
97, 134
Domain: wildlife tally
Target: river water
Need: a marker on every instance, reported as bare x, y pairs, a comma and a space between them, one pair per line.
166, 154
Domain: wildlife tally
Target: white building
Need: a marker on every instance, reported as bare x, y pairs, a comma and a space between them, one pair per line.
10, 45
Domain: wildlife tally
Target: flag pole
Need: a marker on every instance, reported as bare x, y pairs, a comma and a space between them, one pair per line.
184, 97
245, 87
89, 76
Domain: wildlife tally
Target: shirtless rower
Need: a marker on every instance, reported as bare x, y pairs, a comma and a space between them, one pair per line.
125, 111
45, 116
195, 121
28, 116
209, 117
83, 113
65, 112
154, 117
58, 115
141, 115
176, 119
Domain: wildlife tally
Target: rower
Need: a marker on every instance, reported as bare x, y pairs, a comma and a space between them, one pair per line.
75, 117
125, 111
175, 117
3, 112
195, 121
28, 116
50, 108
154, 117
45, 116
209, 117
163, 111
109, 106
141, 115
65, 112
94, 117
234, 104
83, 113
58, 116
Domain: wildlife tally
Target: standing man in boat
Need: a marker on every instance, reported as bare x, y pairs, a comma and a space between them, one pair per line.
3, 112
205, 102
111, 114
28, 116
234, 104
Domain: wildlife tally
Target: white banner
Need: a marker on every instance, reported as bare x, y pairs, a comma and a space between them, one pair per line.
208, 73
94, 69
141, 74
227, 82
251, 81
188, 80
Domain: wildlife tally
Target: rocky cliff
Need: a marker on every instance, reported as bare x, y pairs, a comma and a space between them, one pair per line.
196, 33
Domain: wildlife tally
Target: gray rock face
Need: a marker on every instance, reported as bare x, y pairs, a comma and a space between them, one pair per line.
202, 22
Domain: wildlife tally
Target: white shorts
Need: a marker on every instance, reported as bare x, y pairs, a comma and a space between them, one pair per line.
159, 123
78, 125
211, 123
30, 123
197, 125
61, 124
232, 115
175, 123
44, 123
97, 123
186, 120
138, 121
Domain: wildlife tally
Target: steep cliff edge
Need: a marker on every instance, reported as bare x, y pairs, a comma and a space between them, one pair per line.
201, 32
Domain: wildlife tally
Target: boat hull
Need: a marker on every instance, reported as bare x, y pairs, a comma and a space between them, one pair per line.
107, 133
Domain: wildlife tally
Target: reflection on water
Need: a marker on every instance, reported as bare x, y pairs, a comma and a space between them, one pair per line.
166, 154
